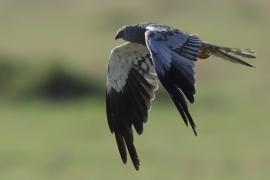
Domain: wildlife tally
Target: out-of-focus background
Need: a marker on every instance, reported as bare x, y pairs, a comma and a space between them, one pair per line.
53, 58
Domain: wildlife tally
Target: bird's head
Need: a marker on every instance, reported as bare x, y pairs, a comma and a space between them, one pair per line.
131, 33
124, 33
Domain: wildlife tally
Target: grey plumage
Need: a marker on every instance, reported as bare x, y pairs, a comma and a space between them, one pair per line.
154, 52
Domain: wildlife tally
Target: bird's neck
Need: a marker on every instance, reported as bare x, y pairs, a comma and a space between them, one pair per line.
140, 36
141, 40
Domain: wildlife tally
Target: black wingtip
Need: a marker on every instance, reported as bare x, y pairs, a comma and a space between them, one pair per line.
137, 167
129, 142
194, 131
136, 162
121, 147
133, 154
191, 122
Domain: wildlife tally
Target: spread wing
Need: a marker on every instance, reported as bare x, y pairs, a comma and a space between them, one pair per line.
174, 53
131, 83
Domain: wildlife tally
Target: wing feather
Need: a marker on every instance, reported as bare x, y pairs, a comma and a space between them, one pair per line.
131, 86
174, 53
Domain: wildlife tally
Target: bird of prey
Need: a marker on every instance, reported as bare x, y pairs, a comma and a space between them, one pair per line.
154, 52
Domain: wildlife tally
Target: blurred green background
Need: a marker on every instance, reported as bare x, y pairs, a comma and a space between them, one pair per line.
53, 58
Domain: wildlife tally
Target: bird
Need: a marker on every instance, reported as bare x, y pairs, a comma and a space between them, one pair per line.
154, 53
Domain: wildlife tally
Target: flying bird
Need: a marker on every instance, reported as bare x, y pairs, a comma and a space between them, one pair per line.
153, 53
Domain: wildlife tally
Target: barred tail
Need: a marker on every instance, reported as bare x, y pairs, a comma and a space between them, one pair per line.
230, 54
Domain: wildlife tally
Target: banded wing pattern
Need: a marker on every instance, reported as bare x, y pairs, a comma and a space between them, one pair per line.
131, 86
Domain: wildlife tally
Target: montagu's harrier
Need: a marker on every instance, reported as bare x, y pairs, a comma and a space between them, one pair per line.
154, 52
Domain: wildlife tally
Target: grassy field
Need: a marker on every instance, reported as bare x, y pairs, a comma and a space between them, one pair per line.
69, 139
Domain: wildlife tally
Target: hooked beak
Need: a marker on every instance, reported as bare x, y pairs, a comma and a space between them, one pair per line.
117, 36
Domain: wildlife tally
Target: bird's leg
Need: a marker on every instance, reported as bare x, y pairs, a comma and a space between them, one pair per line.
204, 53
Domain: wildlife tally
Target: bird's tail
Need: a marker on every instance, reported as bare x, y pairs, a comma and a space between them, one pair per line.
230, 54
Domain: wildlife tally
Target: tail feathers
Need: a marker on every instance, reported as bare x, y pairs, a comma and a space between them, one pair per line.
231, 54
247, 53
